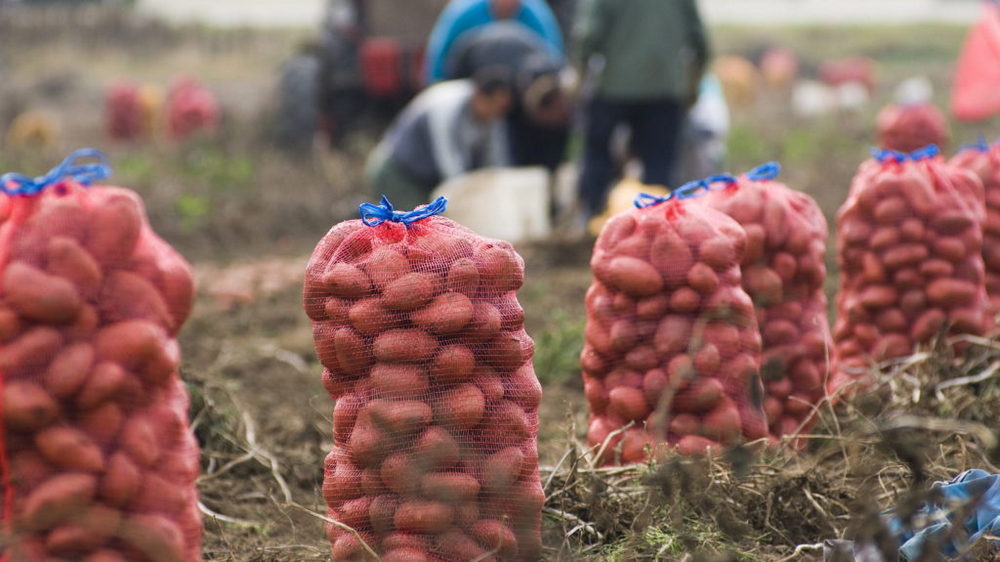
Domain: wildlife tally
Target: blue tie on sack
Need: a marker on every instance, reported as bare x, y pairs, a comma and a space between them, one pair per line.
974, 495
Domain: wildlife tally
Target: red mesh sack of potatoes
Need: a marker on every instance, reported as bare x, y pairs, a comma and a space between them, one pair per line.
984, 161
672, 350
190, 109
416, 321
783, 272
909, 251
97, 460
910, 127
122, 114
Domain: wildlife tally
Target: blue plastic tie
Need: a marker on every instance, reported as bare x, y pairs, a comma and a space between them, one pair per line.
686, 191
374, 215
981, 145
885, 155
15, 184
765, 172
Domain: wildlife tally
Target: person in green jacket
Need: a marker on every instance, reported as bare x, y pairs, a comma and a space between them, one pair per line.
644, 60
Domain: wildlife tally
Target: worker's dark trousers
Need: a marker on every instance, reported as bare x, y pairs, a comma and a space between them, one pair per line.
656, 127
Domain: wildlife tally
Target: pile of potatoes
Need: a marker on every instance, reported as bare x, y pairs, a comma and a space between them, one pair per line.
984, 161
909, 250
435, 425
672, 348
100, 461
783, 272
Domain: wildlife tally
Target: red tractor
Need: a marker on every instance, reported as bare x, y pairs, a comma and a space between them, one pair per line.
364, 67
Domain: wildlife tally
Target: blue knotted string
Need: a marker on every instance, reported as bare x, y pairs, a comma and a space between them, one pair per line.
374, 215
14, 184
765, 172
981, 144
885, 155
686, 191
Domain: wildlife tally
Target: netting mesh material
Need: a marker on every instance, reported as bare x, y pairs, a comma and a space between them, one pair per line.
98, 460
909, 241
435, 425
910, 127
672, 348
783, 272
984, 161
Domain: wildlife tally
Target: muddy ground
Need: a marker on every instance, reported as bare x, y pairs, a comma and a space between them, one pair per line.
247, 217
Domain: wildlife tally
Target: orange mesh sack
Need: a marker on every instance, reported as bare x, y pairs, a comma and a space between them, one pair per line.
783, 272
417, 323
984, 161
98, 462
909, 242
909, 127
672, 349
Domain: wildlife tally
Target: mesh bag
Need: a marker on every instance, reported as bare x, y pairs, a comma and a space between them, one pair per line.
910, 127
417, 323
97, 459
909, 241
190, 109
122, 115
783, 272
672, 349
984, 161
975, 96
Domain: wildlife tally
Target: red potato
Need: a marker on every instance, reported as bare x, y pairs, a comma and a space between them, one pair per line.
719, 253
707, 361
127, 296
785, 265
652, 308
500, 268
58, 499
399, 381
723, 423
366, 316
70, 448
346, 281
891, 210
447, 314
951, 292
463, 277
462, 407
486, 323
672, 257
120, 481
495, 536
699, 396
423, 516
885, 237
684, 301
634, 276
103, 423
381, 510
453, 364
654, 384
672, 335
69, 369
696, 446
623, 335
106, 380
86, 533
951, 222
702, 278
641, 358
403, 346
904, 255
66, 258
502, 469
449, 487
385, 265
438, 449
30, 352
934, 268
892, 320
399, 419
155, 536
878, 296
949, 248
139, 440
27, 407
510, 350
456, 545
629, 403
115, 227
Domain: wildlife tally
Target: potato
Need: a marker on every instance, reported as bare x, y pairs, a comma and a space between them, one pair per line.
756, 237
696, 446
384, 265
38, 296
447, 314
641, 358
461, 407
423, 516
453, 364
398, 381
949, 248
463, 277
723, 423
485, 324
596, 394
672, 335
346, 281
156, 536
494, 535
707, 360
115, 226
58, 499
405, 540
366, 316
400, 419
500, 268
68, 259
502, 469
719, 253
523, 388
492, 385
132, 343
951, 222
684, 301
785, 265
404, 346
634, 276
367, 445
510, 350
629, 403
354, 513
140, 440
700, 395
102, 423
69, 448
703, 278
127, 296
69, 369
27, 407
120, 481
763, 284
437, 449
891, 211
934, 268
381, 511
449, 487
106, 380
878, 296
885, 237
904, 255
652, 308
672, 257
892, 320
348, 547
951, 292
623, 335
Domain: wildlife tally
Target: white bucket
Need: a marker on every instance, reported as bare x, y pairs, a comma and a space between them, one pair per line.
511, 204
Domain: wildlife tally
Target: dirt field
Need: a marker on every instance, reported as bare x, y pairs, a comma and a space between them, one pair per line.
247, 217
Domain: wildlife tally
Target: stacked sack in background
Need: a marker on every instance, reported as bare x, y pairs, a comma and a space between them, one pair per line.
984, 161
416, 320
909, 250
672, 348
783, 272
98, 461
910, 127
191, 108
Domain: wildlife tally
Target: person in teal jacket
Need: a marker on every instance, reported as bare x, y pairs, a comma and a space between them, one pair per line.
460, 16
643, 60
